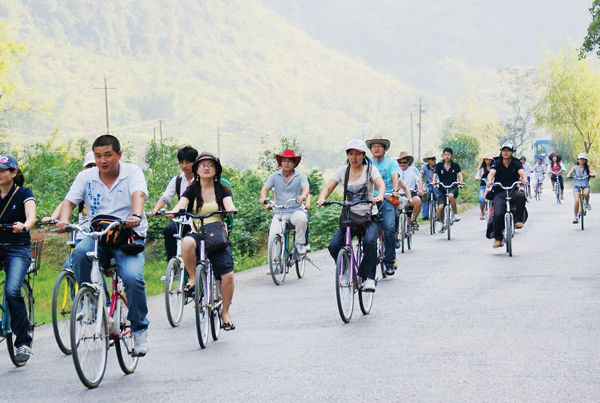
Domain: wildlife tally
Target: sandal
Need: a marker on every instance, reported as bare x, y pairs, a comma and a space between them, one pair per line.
227, 326
189, 287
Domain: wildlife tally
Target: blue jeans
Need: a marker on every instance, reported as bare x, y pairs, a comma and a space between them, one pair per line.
436, 195
481, 195
388, 222
17, 260
130, 268
367, 267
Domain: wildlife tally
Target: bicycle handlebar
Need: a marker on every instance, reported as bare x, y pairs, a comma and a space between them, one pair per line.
438, 184
270, 203
331, 203
499, 184
93, 234
182, 212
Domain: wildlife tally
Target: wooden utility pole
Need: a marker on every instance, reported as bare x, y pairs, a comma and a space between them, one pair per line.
412, 137
218, 143
160, 123
419, 125
106, 88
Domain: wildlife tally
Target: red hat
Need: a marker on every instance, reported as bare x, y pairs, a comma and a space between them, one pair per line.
288, 154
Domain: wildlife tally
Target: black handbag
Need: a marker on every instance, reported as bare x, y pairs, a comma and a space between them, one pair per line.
215, 236
358, 222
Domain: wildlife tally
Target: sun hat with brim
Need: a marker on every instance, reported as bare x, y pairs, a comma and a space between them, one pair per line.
582, 156
378, 140
289, 154
205, 155
405, 155
8, 162
357, 145
429, 156
89, 159
488, 156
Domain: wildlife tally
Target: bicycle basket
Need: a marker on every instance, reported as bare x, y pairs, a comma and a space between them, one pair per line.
36, 255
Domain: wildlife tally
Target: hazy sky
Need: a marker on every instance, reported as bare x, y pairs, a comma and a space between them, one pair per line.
406, 36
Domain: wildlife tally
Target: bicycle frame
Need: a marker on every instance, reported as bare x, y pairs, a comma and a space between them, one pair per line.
355, 257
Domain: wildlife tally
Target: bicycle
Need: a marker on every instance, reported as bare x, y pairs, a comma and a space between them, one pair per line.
405, 229
175, 278
448, 213
92, 325
208, 301
538, 188
282, 251
582, 210
27, 292
347, 280
432, 214
509, 225
557, 189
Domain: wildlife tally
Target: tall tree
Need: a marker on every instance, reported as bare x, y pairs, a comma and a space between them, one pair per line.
592, 39
571, 100
523, 100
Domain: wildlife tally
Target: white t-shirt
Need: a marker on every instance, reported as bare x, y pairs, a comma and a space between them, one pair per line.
410, 177
171, 189
361, 189
116, 201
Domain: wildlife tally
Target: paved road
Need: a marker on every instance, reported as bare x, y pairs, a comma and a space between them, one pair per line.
460, 322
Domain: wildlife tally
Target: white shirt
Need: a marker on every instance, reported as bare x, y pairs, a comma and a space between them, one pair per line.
115, 201
171, 189
410, 177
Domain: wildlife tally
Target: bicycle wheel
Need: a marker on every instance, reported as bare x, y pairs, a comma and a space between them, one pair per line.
300, 266
89, 337
215, 311
365, 301
276, 260
124, 342
380, 252
28, 298
409, 236
557, 191
402, 225
448, 219
581, 210
201, 306
432, 217
344, 285
508, 229
174, 295
65, 288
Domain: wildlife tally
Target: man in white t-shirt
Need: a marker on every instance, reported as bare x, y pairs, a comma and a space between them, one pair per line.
117, 189
412, 179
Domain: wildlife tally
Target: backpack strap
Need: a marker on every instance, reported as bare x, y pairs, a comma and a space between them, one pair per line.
347, 176
8, 202
178, 181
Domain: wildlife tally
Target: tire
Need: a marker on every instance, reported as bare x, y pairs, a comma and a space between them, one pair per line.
557, 191
581, 210
124, 343
365, 301
380, 252
277, 261
448, 219
409, 238
508, 229
174, 294
201, 306
344, 285
215, 311
402, 226
28, 298
65, 288
432, 217
89, 347
300, 266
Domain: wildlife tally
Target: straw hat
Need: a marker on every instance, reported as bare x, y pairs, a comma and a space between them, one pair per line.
406, 155
378, 140
429, 155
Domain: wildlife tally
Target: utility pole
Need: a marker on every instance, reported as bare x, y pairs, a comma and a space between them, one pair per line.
218, 143
160, 123
154, 128
106, 88
412, 137
419, 125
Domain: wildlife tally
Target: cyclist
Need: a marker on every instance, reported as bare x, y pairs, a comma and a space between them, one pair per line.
362, 178
288, 183
17, 208
528, 170
507, 170
411, 177
117, 190
556, 168
447, 172
388, 169
539, 170
481, 176
176, 187
578, 172
427, 170
206, 195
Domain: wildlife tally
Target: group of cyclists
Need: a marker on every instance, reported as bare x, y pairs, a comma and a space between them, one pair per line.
375, 183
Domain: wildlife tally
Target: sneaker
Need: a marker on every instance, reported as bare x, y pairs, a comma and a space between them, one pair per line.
369, 285
23, 354
439, 227
302, 249
456, 217
587, 206
140, 343
518, 224
497, 243
397, 243
415, 226
390, 270
576, 220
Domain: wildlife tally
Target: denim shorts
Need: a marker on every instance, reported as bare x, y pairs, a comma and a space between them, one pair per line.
576, 188
221, 260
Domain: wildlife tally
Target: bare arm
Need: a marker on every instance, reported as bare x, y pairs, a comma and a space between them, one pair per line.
304, 194
30, 216
264, 192
159, 205
490, 177
181, 205
571, 171
66, 210
326, 192
460, 177
523, 176
228, 204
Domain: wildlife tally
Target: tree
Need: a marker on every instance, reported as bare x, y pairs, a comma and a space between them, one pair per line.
570, 103
592, 39
523, 100
465, 147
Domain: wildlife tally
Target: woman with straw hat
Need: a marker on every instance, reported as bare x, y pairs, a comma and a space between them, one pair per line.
427, 171
481, 176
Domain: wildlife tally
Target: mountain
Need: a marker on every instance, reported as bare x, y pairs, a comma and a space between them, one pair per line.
232, 64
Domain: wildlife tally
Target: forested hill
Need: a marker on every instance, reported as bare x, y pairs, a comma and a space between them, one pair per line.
199, 64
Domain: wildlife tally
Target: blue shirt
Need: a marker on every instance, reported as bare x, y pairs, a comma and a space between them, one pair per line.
14, 212
287, 190
386, 167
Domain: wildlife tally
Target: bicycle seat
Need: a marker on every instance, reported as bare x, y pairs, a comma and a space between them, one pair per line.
108, 269
289, 226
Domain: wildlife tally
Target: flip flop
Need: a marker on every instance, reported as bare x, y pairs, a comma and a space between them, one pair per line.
189, 287
227, 326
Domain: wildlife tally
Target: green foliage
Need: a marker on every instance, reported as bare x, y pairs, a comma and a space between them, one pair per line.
315, 182
266, 159
466, 149
592, 39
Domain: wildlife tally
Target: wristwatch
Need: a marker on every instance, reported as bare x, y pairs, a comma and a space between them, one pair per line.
138, 215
